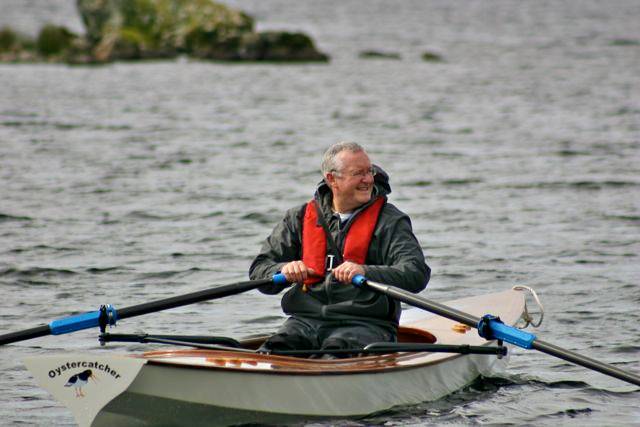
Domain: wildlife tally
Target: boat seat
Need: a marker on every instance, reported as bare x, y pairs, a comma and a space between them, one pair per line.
414, 335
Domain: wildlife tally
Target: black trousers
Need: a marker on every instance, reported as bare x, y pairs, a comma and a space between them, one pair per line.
304, 333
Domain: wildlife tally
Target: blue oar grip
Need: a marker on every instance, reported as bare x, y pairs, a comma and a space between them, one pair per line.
83, 321
491, 328
358, 280
279, 279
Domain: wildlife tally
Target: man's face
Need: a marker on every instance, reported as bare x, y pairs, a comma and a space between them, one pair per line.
353, 184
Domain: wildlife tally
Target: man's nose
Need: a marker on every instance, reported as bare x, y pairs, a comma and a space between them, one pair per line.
368, 178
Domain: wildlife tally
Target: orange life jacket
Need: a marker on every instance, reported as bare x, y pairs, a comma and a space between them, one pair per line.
356, 246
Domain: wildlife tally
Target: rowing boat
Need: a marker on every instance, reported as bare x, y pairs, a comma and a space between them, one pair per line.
225, 387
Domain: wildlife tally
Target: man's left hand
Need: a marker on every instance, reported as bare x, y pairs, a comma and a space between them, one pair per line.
346, 271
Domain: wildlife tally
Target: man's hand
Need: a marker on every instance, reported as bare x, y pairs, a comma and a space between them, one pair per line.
346, 271
297, 272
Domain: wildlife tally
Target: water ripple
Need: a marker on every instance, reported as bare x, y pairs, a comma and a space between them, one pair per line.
36, 272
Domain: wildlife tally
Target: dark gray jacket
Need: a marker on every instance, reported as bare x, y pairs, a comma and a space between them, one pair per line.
394, 257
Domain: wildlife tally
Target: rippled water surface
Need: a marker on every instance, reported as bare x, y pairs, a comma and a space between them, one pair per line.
517, 159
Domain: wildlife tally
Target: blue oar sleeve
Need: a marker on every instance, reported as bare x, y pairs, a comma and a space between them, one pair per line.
491, 328
83, 321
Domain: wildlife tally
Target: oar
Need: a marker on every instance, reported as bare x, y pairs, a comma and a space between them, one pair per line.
490, 327
107, 315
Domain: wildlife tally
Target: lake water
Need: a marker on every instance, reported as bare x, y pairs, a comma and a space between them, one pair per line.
517, 158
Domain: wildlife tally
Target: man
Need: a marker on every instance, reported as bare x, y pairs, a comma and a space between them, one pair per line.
347, 229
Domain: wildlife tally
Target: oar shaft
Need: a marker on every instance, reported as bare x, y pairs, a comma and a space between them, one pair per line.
432, 306
27, 334
511, 336
192, 298
585, 361
108, 314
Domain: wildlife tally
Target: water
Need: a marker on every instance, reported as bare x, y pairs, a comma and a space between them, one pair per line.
517, 159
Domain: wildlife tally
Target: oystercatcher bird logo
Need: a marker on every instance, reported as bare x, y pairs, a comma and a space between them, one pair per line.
78, 381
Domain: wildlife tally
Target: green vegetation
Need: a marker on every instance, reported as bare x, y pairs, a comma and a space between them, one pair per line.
8, 39
432, 57
54, 40
150, 29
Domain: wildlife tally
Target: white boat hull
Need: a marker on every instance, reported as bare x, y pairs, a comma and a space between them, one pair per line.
234, 397
203, 387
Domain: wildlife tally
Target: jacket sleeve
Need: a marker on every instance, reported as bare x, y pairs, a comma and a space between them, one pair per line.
400, 261
282, 246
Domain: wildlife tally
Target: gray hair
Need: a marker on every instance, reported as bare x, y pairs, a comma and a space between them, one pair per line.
330, 163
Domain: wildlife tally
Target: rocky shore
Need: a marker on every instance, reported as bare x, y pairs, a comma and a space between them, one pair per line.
157, 29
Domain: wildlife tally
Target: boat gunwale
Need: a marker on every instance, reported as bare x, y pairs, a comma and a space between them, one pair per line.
327, 364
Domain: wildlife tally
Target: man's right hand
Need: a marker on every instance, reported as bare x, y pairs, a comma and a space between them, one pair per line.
297, 272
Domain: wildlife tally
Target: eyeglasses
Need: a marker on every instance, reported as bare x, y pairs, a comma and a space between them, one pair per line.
358, 173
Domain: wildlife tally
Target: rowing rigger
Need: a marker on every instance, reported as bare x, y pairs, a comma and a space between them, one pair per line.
229, 344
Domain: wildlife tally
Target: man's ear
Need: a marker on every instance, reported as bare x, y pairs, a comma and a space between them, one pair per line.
331, 179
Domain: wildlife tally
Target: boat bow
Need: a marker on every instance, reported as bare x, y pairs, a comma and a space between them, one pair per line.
84, 383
